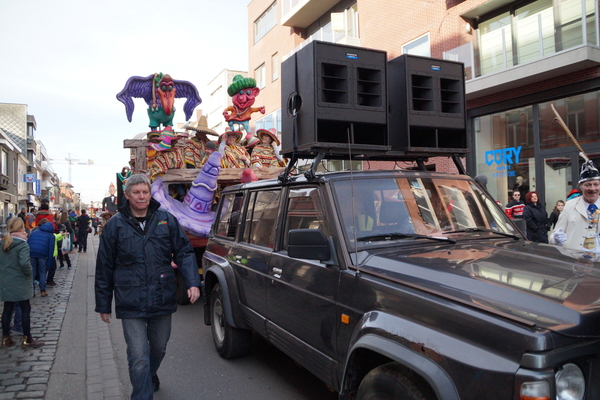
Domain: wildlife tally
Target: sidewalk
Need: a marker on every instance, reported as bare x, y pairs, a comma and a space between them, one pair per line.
77, 361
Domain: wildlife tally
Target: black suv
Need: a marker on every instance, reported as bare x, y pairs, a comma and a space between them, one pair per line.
401, 285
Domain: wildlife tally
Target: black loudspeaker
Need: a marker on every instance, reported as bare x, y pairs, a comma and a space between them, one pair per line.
427, 105
334, 98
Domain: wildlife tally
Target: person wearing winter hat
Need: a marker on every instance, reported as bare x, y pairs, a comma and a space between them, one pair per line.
266, 154
577, 226
209, 148
233, 155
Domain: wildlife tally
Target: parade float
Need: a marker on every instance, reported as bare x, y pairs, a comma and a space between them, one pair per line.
186, 173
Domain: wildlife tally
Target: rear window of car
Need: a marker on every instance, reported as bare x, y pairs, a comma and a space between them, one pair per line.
229, 215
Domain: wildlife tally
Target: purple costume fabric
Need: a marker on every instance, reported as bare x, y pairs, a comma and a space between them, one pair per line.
193, 213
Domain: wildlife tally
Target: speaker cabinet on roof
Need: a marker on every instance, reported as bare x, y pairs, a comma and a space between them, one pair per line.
427, 104
334, 98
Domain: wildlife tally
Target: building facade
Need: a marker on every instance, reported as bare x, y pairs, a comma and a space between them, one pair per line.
520, 57
25, 162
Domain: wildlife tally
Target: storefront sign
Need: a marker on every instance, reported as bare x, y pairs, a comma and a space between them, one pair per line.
504, 159
29, 178
37, 187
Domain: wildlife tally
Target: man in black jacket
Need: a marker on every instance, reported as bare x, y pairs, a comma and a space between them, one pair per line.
83, 223
134, 261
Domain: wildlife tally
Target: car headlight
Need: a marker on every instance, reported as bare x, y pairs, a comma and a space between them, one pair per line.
570, 383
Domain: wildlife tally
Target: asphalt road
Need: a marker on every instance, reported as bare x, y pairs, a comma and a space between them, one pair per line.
192, 368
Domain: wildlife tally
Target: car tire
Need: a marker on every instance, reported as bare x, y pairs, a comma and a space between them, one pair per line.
230, 342
392, 381
181, 290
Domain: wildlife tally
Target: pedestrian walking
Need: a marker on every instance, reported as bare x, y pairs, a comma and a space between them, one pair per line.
41, 247
15, 283
134, 263
83, 228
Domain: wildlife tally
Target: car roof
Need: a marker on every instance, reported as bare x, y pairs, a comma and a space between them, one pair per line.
342, 175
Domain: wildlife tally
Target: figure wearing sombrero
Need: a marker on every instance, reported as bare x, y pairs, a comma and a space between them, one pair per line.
233, 155
194, 149
266, 154
104, 217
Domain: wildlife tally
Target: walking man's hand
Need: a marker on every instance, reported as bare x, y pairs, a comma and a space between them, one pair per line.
106, 317
193, 294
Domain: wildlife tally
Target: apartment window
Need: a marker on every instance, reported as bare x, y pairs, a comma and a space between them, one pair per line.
269, 121
260, 76
275, 67
215, 98
342, 25
538, 29
4, 161
15, 171
418, 47
265, 22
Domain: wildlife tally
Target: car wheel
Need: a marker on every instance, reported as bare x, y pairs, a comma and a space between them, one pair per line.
182, 295
230, 342
392, 381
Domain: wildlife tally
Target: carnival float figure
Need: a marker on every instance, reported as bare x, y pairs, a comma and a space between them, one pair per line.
195, 212
243, 92
266, 154
159, 91
233, 154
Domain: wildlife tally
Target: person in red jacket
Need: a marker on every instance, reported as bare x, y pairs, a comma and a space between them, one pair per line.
514, 209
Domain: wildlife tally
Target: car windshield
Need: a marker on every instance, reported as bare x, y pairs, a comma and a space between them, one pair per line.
411, 208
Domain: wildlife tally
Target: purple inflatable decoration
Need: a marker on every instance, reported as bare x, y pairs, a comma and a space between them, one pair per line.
193, 213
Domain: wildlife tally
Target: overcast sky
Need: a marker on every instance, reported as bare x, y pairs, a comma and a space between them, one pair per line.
67, 60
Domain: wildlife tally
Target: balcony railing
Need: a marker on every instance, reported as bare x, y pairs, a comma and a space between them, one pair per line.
534, 37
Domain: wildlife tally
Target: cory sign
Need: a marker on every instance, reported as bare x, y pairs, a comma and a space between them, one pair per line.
503, 158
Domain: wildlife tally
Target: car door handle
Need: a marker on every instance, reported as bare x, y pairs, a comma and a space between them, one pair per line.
277, 272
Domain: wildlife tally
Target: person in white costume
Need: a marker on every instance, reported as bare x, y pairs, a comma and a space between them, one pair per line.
577, 226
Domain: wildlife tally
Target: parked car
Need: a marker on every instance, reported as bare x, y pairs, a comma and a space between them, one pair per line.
401, 284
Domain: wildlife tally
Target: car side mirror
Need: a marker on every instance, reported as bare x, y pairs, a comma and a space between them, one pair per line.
308, 243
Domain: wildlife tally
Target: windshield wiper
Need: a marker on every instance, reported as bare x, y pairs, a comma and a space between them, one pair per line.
398, 235
484, 230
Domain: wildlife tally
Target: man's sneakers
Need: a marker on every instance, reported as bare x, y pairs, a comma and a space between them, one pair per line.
155, 383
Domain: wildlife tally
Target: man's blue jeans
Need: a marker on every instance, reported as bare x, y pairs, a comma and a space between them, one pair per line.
38, 265
146, 347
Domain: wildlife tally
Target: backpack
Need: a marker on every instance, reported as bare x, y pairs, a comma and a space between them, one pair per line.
29, 222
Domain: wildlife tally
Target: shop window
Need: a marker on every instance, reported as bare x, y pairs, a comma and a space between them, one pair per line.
576, 116
580, 114
504, 151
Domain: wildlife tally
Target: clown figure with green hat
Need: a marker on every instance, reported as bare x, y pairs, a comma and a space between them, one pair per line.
243, 92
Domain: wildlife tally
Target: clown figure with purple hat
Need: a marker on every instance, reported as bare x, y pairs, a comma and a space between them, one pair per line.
577, 225
266, 153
